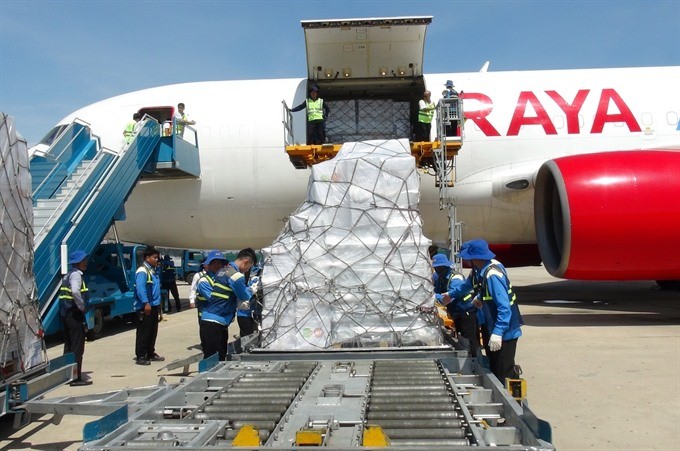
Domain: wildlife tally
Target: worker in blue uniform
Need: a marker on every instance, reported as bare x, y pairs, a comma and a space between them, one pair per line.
213, 263
497, 300
73, 299
147, 306
228, 289
460, 308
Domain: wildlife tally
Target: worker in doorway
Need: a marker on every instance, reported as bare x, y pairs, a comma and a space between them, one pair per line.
73, 298
181, 120
169, 281
497, 300
131, 128
317, 112
147, 306
423, 127
460, 308
214, 262
229, 289
450, 93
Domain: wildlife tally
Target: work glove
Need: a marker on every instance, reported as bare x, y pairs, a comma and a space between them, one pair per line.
438, 297
253, 281
255, 286
495, 343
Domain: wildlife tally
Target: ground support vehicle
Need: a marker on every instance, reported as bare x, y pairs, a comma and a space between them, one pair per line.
409, 398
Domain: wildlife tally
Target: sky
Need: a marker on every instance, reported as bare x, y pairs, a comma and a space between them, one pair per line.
60, 55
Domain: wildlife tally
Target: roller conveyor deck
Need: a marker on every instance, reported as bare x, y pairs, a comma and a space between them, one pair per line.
410, 399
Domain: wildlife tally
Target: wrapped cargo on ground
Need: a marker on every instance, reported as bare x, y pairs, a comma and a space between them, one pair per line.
21, 346
350, 267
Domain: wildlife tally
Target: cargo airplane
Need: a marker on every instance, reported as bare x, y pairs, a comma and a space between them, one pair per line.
579, 169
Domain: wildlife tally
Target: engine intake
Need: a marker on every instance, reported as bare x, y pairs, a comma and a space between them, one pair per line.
610, 216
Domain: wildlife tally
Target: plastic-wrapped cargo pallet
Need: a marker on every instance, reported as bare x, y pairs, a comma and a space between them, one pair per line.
350, 267
21, 346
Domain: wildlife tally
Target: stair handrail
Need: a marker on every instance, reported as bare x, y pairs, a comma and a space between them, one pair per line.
68, 194
287, 120
57, 159
46, 153
85, 205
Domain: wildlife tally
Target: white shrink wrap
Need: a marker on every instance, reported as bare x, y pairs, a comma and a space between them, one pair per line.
350, 267
21, 343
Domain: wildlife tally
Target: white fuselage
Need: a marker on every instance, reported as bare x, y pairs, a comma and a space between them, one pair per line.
516, 121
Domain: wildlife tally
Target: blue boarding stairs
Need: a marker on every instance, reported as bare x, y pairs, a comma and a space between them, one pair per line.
80, 189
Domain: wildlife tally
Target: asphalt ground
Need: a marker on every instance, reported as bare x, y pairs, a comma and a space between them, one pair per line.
601, 360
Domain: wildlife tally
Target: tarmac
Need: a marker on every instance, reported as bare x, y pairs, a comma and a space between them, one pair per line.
601, 360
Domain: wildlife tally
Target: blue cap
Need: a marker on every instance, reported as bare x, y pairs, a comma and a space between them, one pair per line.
214, 255
476, 250
440, 260
77, 257
449, 84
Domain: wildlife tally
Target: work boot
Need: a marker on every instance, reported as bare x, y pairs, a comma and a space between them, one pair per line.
157, 358
80, 382
142, 361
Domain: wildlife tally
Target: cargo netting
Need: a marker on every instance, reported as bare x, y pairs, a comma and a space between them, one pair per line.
21, 346
350, 267
364, 120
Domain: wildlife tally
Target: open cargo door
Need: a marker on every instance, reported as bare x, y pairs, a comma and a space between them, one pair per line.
365, 48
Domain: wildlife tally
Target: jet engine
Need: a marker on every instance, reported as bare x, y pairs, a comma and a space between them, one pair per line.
610, 216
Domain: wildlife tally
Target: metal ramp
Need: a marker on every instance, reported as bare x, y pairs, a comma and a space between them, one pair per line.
79, 190
407, 399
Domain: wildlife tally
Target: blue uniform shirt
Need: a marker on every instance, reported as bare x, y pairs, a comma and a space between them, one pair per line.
147, 287
501, 316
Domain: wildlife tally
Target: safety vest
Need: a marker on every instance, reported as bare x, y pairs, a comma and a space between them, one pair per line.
169, 271
491, 309
425, 116
129, 132
66, 303
180, 125
495, 270
222, 304
459, 306
150, 282
314, 110
206, 276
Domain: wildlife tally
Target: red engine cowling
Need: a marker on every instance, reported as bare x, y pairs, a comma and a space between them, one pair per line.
610, 216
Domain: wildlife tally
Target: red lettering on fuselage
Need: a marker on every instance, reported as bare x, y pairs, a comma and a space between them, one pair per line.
520, 118
602, 116
479, 116
570, 111
541, 117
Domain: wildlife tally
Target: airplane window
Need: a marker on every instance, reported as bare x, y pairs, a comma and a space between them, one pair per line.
672, 118
53, 134
647, 119
558, 121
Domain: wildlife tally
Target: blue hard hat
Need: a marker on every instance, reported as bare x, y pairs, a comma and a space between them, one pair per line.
77, 257
214, 255
476, 250
440, 260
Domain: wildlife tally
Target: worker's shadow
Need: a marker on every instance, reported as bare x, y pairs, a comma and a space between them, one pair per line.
11, 438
